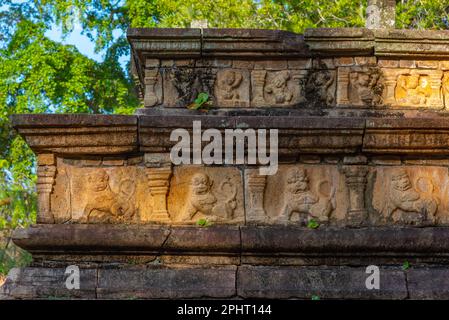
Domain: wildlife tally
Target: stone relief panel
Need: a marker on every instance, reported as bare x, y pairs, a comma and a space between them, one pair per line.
182, 85
320, 87
413, 88
232, 88
115, 194
277, 88
105, 205
348, 195
412, 195
214, 194
296, 194
359, 86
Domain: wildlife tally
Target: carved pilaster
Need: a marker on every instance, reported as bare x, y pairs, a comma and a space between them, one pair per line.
150, 98
46, 172
390, 79
300, 79
258, 83
255, 184
356, 180
435, 85
159, 184
342, 86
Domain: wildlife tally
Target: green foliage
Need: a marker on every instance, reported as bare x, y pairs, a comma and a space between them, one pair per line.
405, 265
203, 223
201, 102
315, 297
312, 224
40, 75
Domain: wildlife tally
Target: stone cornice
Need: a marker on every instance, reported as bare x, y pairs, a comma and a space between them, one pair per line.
73, 134
121, 135
231, 240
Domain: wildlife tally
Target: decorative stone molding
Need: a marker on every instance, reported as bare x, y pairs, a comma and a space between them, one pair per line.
356, 182
46, 172
159, 184
151, 78
255, 191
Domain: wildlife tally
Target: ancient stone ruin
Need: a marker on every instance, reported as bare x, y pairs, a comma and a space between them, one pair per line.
363, 149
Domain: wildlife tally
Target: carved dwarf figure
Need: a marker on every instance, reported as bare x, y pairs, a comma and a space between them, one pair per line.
278, 87
299, 199
363, 87
229, 82
413, 89
406, 204
203, 201
104, 205
318, 87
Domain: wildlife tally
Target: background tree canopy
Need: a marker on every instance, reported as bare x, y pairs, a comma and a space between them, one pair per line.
40, 75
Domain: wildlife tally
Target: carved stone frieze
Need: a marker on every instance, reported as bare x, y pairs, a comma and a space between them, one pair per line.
413, 88
297, 194
214, 194
320, 87
359, 86
232, 88
412, 195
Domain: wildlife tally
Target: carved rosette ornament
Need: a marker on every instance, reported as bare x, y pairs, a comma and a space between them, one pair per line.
159, 184
46, 173
356, 180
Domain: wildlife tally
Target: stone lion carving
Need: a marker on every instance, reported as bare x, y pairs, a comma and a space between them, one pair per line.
408, 205
300, 199
203, 201
278, 87
104, 205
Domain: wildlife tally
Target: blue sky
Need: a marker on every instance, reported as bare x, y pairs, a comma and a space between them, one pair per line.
82, 42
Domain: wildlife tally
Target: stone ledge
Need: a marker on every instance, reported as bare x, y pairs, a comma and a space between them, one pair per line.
98, 135
229, 240
78, 134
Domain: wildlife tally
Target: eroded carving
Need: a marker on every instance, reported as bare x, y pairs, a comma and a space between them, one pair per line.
359, 86
278, 89
298, 198
202, 200
408, 203
104, 205
183, 85
232, 88
320, 87
413, 88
